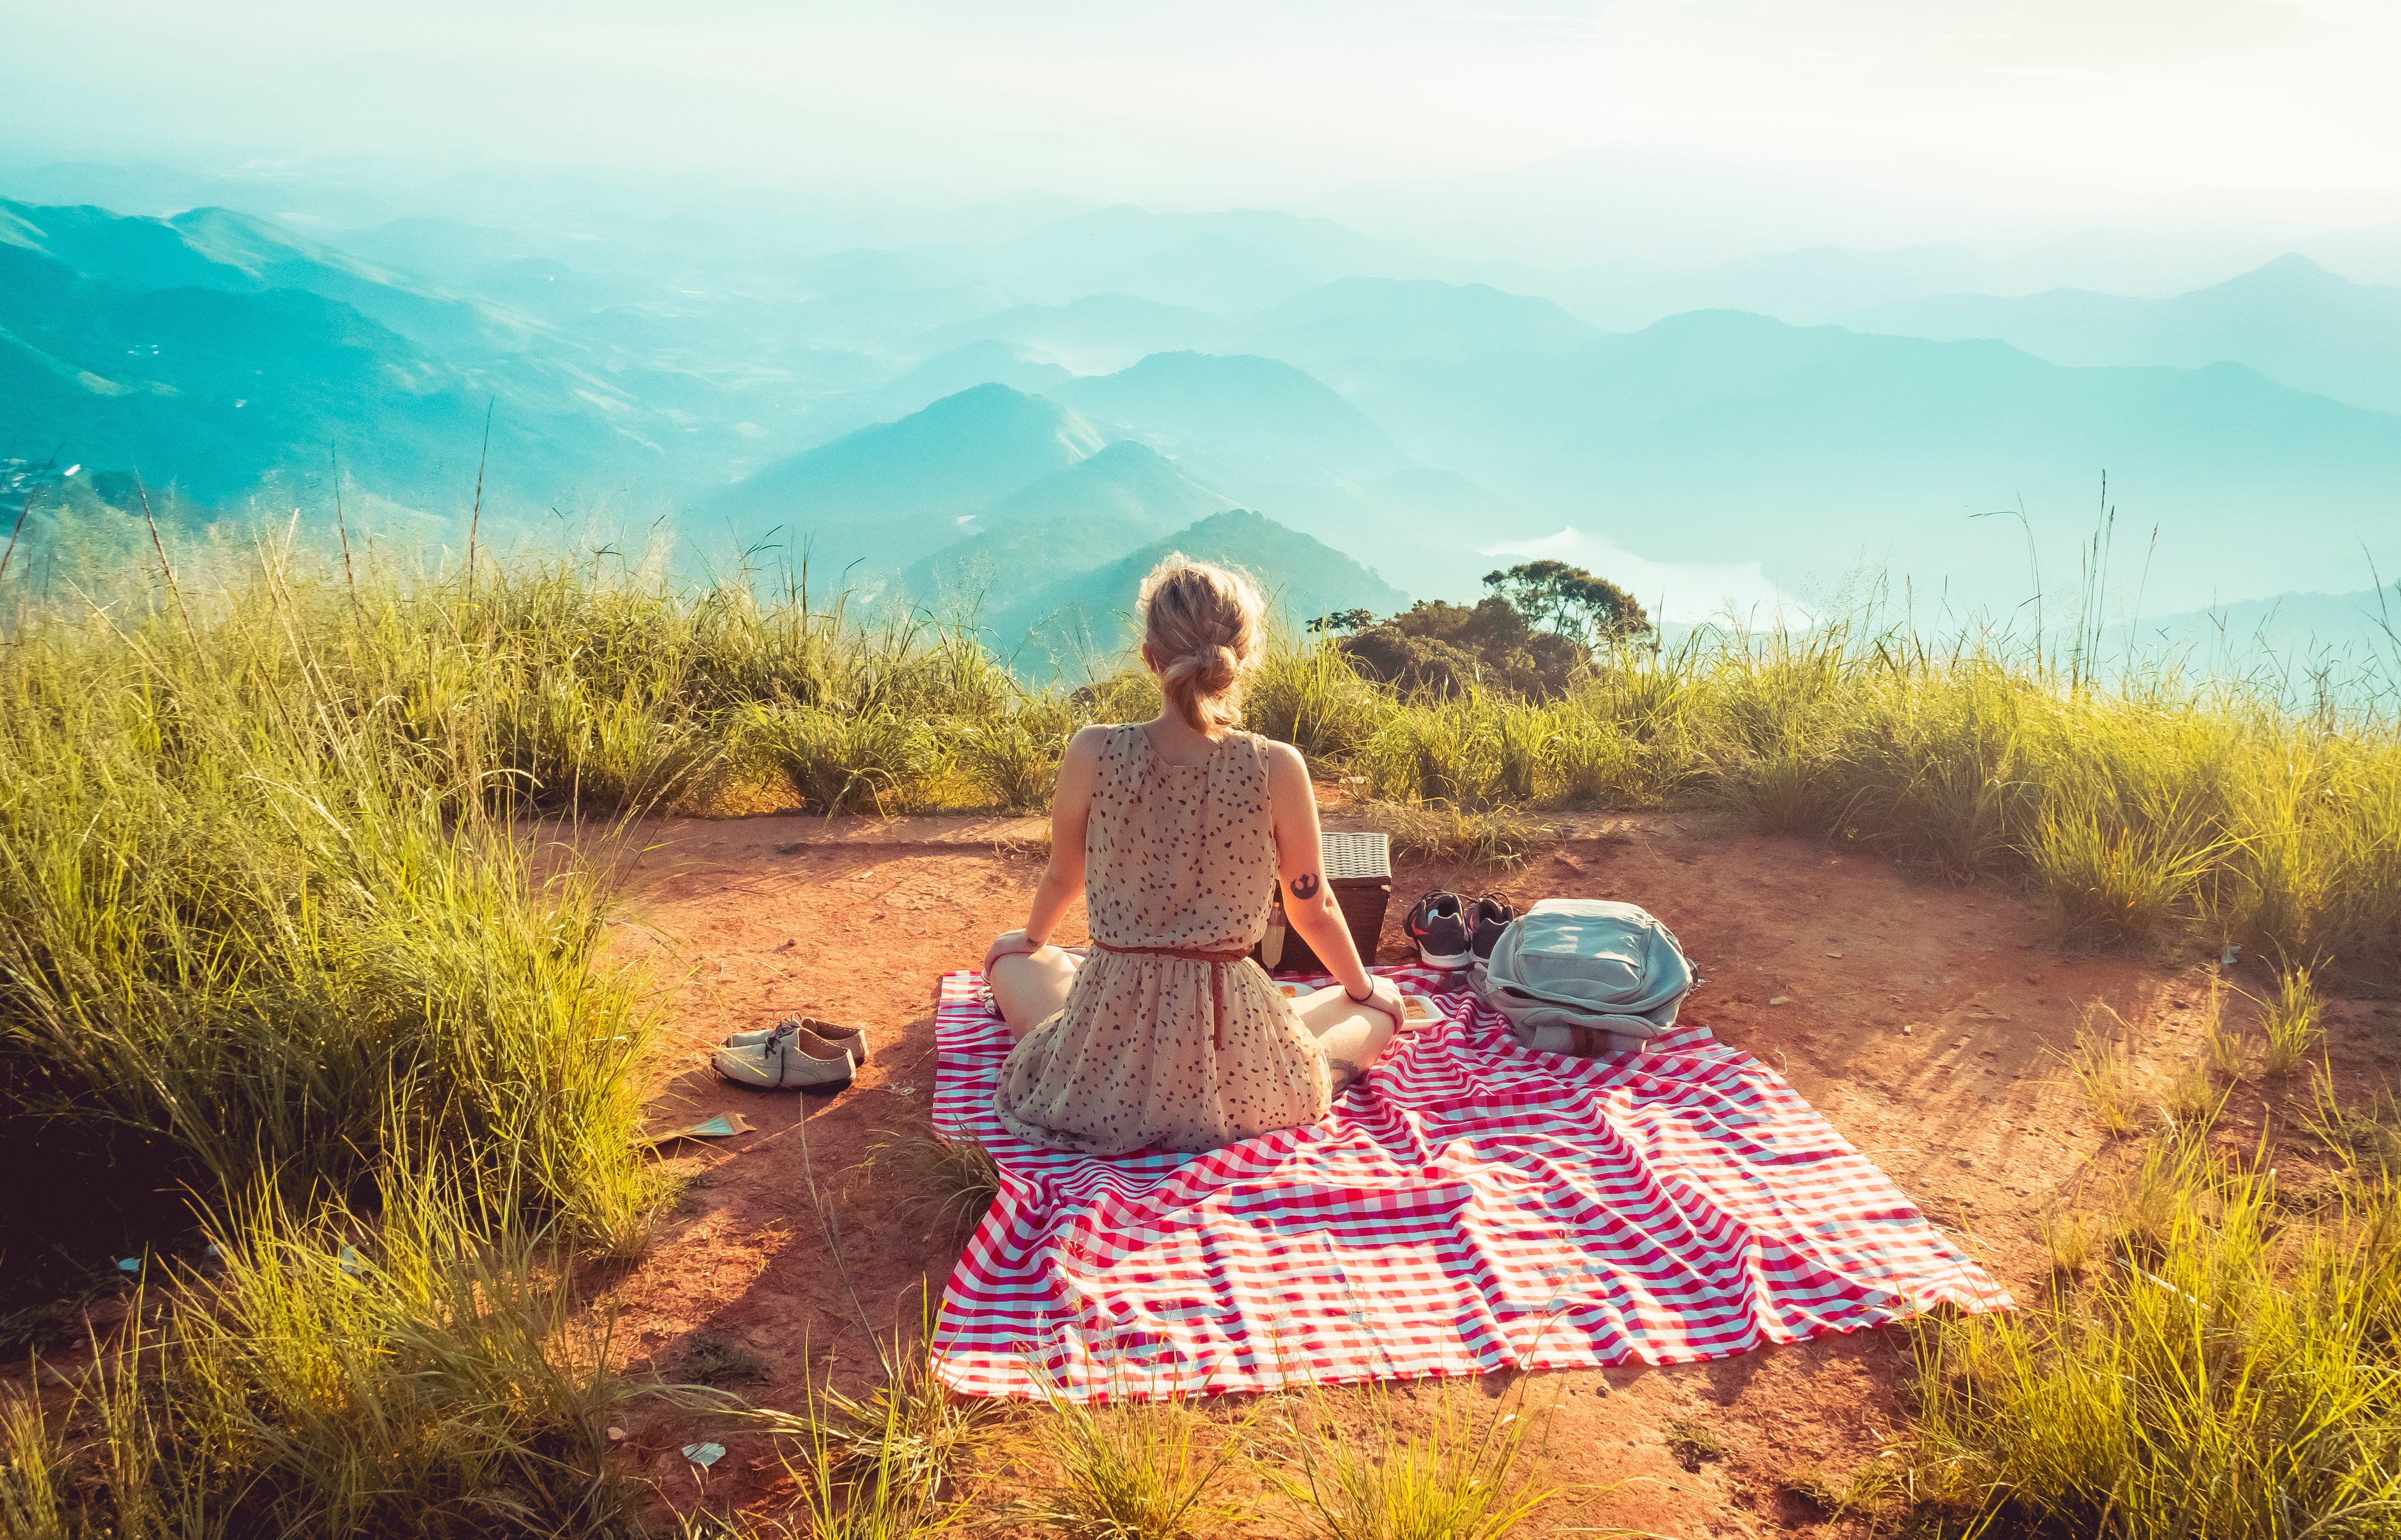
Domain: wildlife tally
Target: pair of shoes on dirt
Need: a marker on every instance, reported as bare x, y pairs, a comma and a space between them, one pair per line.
1450, 932
797, 1053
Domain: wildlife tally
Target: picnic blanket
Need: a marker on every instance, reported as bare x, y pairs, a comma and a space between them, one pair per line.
1468, 1205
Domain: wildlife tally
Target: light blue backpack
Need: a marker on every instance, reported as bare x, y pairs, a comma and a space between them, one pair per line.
1587, 976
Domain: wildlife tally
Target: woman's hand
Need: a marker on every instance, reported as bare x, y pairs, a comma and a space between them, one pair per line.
1009, 943
1385, 995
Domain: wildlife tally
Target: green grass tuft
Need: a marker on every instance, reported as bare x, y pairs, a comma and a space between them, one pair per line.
1694, 1443
956, 1177
2289, 1022
2224, 1371
2101, 1067
418, 1373
1353, 1472
1139, 1470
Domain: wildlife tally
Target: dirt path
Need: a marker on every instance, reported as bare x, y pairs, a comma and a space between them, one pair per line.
1918, 1017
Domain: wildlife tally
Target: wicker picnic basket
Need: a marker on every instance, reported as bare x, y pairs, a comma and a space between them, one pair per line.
1359, 869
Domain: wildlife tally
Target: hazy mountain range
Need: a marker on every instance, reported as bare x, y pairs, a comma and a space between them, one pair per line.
213, 348
1005, 406
2293, 321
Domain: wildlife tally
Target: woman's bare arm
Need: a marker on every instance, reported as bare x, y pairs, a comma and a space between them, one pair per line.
1308, 906
1063, 880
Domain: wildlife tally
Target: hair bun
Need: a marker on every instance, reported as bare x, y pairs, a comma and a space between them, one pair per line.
1201, 630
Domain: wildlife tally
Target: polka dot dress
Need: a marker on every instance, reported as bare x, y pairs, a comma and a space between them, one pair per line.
1180, 856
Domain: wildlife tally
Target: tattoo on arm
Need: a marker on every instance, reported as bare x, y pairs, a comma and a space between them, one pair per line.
1305, 886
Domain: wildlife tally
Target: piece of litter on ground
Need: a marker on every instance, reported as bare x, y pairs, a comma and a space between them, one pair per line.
1834, 954
351, 1261
905, 1091
1904, 1030
616, 1435
1781, 1000
704, 1455
2232, 953
128, 1264
723, 1126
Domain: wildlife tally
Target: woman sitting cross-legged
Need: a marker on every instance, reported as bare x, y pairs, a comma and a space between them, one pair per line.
1179, 830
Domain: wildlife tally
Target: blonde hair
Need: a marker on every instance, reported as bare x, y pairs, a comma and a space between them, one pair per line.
1200, 631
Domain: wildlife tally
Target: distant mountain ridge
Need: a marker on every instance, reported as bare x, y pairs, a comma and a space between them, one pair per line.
232, 252
2367, 622
1066, 523
1028, 513
2291, 320
1089, 615
1238, 406
1387, 318
1230, 260
1823, 450
945, 374
886, 495
1378, 318
212, 351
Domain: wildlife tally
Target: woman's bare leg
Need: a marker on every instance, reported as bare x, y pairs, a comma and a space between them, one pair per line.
1031, 986
1352, 1035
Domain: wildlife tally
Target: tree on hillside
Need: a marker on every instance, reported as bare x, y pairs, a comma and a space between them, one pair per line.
1450, 649
1344, 621
1569, 601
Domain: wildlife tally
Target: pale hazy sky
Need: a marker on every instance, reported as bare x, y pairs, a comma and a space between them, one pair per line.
2054, 108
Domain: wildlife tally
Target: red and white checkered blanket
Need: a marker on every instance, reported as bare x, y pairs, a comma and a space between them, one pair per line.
1468, 1205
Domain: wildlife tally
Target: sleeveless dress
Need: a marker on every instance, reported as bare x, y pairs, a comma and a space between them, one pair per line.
1154, 1050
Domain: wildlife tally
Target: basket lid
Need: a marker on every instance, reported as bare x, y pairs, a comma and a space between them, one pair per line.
1348, 855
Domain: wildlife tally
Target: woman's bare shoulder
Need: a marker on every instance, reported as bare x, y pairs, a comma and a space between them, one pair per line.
1282, 757
1081, 767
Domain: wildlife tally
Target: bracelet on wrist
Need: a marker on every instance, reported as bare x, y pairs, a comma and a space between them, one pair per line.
1360, 999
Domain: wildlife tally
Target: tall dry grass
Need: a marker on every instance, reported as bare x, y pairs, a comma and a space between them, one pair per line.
2140, 809
1353, 1469
2151, 804
263, 913
422, 1369
2223, 1367
280, 972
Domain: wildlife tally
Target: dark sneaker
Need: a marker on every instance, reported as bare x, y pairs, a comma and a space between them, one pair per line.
1438, 926
1487, 917
1490, 915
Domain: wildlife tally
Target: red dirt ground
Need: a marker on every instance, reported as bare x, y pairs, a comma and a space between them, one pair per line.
1919, 1017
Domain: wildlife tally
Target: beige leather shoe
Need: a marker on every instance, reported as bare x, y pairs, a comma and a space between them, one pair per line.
822, 1039
781, 1061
